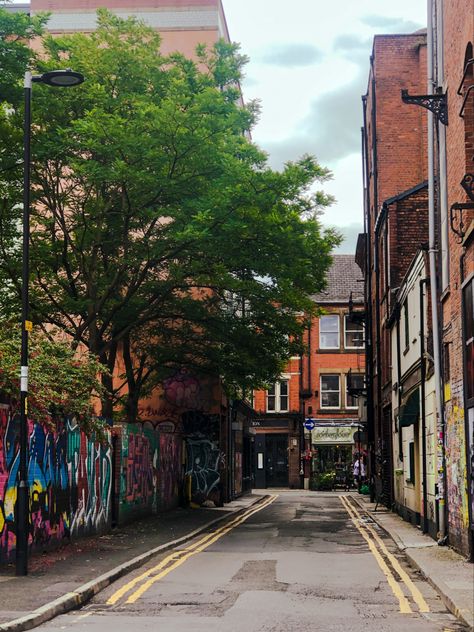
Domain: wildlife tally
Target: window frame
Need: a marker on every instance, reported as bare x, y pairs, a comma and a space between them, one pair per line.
346, 346
406, 324
347, 390
321, 406
277, 395
468, 338
337, 316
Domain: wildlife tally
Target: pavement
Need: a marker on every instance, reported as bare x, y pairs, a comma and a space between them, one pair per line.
451, 575
65, 579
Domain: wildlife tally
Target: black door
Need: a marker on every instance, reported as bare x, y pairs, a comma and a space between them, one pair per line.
276, 469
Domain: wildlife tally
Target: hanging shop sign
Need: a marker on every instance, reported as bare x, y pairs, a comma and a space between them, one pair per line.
335, 434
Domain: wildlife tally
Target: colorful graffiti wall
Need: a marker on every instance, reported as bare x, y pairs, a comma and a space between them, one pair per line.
456, 479
171, 470
138, 472
70, 481
204, 459
71, 484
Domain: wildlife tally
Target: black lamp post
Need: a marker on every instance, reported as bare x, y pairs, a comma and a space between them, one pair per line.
61, 79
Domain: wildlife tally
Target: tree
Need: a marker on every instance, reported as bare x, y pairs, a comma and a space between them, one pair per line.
61, 382
154, 214
16, 32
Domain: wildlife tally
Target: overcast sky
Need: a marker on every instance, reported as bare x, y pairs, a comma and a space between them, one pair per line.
309, 63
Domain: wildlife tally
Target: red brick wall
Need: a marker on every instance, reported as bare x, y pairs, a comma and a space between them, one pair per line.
399, 62
459, 31
338, 361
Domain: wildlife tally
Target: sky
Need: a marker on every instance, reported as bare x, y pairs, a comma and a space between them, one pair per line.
308, 67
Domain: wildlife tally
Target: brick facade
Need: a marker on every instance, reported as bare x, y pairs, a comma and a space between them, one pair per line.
458, 42
304, 374
395, 142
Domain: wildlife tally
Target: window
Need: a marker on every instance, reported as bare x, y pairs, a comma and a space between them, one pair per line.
329, 332
277, 397
330, 391
353, 334
354, 381
411, 463
469, 339
407, 324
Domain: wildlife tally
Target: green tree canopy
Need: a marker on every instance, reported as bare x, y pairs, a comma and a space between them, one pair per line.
61, 380
159, 232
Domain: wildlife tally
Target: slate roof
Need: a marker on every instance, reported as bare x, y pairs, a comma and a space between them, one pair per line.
344, 276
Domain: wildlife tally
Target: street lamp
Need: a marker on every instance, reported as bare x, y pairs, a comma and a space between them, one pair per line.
60, 79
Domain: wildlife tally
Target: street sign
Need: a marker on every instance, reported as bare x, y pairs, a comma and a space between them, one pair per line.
309, 424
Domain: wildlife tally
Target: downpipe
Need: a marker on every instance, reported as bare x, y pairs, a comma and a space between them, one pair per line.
441, 492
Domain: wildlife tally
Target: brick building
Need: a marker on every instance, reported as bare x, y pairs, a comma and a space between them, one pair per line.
419, 224
456, 79
320, 386
395, 173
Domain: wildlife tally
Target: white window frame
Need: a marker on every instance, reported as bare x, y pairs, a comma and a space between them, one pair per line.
323, 375
347, 391
346, 330
278, 396
330, 332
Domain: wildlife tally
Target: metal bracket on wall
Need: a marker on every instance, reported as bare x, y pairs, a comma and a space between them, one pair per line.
458, 210
436, 103
467, 184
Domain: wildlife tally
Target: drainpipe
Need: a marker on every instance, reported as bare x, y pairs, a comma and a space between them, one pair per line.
368, 305
434, 291
423, 282
443, 181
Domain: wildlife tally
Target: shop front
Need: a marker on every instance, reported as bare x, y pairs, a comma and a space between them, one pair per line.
335, 448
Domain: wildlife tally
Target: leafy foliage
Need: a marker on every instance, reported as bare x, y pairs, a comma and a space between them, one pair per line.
60, 381
160, 235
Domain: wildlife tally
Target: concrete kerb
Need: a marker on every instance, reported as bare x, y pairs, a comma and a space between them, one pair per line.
77, 598
448, 602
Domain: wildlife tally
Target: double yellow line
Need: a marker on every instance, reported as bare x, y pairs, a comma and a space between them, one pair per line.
152, 575
387, 562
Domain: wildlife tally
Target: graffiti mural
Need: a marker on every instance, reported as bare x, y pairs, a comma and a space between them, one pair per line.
203, 466
69, 479
183, 390
170, 470
456, 470
90, 475
139, 472
204, 460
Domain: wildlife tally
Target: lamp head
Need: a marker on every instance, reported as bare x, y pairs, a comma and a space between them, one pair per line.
61, 78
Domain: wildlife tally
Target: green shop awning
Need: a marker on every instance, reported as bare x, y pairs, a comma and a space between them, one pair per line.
410, 410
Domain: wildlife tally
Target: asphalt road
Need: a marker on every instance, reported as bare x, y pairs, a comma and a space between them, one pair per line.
296, 562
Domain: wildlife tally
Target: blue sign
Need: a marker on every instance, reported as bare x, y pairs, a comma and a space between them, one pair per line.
309, 424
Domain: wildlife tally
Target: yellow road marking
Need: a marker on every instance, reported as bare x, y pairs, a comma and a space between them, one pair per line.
198, 549
416, 594
178, 557
394, 585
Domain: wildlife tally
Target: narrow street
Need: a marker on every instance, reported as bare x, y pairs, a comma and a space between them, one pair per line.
294, 562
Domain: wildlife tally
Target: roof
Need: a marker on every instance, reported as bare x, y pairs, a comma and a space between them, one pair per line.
344, 276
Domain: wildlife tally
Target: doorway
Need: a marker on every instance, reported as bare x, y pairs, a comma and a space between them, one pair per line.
276, 460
